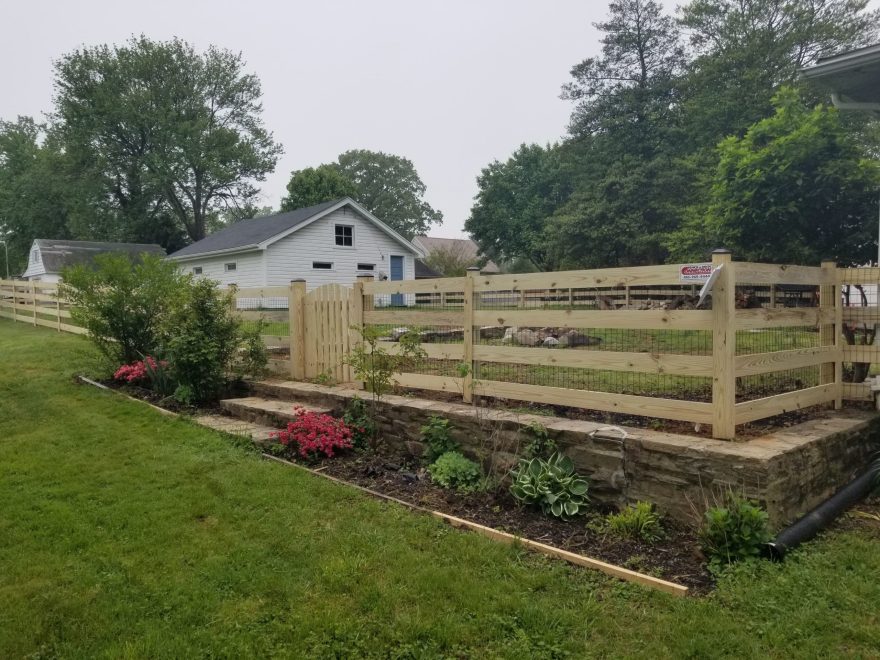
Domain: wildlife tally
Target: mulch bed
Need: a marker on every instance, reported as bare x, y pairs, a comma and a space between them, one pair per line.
677, 558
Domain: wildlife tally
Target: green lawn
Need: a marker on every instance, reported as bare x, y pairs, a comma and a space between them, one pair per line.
124, 533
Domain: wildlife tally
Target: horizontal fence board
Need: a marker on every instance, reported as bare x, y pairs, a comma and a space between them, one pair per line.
433, 351
262, 292
275, 340
687, 411
434, 285
657, 363
405, 317
857, 392
762, 363
649, 319
856, 353
870, 314
582, 279
279, 366
263, 315
869, 275
749, 411
426, 382
781, 317
753, 273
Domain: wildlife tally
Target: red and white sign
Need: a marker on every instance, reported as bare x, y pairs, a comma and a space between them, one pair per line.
695, 272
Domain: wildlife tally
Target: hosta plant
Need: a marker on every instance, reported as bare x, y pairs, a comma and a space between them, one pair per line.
551, 484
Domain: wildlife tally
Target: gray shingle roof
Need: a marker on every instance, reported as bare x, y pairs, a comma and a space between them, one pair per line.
57, 254
251, 232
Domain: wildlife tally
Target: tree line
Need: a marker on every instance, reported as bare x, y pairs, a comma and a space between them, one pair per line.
155, 142
692, 131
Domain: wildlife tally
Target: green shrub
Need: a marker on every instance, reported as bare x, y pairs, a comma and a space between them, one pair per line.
357, 417
735, 531
454, 470
124, 304
551, 484
539, 444
204, 342
637, 521
437, 435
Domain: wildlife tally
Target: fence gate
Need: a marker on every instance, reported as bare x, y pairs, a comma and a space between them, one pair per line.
327, 332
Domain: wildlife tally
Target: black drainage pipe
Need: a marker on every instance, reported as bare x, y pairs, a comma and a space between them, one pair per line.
812, 523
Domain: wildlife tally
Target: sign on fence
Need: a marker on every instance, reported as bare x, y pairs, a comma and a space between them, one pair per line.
694, 272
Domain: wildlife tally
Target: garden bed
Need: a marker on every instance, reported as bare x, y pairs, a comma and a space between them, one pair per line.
676, 558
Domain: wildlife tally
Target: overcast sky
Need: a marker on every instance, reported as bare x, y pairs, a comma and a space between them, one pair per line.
450, 85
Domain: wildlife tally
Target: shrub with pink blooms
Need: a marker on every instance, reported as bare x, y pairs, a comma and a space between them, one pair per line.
313, 434
148, 372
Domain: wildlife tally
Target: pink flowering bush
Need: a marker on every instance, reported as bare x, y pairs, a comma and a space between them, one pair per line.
140, 372
312, 434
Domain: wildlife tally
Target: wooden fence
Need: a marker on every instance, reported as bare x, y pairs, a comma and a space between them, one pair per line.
36, 303
753, 352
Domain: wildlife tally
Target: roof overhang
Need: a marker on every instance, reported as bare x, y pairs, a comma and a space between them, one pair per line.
214, 253
852, 78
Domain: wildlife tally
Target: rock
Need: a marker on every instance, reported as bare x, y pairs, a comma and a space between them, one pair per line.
574, 338
508, 335
551, 342
429, 336
397, 333
526, 337
493, 331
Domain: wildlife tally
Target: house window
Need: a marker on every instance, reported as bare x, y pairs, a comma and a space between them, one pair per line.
35, 257
197, 270
322, 265
366, 267
345, 235
229, 267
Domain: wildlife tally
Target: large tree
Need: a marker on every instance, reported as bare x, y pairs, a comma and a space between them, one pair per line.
314, 185
796, 188
514, 202
34, 197
167, 131
388, 186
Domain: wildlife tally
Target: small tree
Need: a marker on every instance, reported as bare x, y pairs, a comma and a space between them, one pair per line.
376, 366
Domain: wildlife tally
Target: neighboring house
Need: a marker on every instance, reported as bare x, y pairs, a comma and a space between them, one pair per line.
424, 271
333, 242
459, 249
48, 257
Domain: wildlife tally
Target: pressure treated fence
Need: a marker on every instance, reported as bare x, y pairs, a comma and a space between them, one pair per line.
770, 339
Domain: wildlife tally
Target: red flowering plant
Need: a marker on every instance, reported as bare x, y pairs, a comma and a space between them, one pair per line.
148, 372
312, 434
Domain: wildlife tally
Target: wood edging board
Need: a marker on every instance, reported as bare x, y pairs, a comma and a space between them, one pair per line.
510, 539
88, 381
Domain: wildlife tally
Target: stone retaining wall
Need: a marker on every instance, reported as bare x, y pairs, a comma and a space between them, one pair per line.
789, 471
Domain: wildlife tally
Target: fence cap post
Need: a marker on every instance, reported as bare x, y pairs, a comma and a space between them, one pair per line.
473, 270
299, 279
721, 251
365, 278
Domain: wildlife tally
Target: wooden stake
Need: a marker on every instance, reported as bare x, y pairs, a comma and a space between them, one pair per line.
723, 347
468, 335
295, 303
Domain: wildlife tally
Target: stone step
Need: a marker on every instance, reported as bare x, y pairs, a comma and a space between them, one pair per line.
310, 393
234, 426
273, 413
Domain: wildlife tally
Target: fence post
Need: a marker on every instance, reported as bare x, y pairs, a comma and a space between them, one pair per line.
723, 347
34, 301
295, 311
467, 389
360, 303
831, 305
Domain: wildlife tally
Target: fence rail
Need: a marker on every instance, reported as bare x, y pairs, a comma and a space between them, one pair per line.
770, 339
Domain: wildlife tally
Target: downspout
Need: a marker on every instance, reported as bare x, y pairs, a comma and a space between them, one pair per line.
824, 514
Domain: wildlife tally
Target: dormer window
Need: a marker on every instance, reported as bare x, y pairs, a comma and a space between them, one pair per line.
344, 235
35, 256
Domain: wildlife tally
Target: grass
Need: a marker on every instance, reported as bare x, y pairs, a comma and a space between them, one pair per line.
124, 533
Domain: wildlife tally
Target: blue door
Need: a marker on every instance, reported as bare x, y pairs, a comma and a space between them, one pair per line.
397, 274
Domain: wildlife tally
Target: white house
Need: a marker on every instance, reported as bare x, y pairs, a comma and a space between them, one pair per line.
48, 257
330, 242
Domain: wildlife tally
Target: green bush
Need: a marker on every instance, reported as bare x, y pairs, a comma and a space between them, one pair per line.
204, 340
733, 532
437, 435
358, 419
637, 521
454, 470
551, 484
124, 304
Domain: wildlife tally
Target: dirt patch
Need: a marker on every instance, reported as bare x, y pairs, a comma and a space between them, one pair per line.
676, 558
